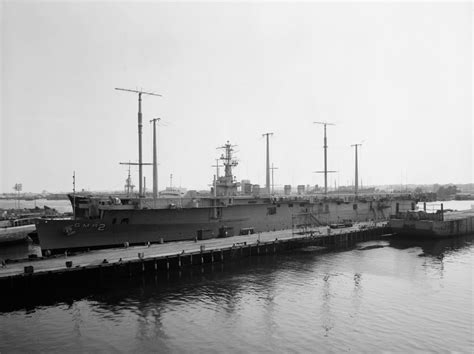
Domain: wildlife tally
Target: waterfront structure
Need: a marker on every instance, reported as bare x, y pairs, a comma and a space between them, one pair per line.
442, 223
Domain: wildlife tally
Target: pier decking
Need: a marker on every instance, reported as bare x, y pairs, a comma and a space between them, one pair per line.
25, 275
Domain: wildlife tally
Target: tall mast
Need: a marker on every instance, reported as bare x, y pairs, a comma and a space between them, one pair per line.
325, 157
140, 170
356, 183
267, 183
155, 162
273, 179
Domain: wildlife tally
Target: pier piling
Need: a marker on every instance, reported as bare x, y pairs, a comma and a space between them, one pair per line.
51, 272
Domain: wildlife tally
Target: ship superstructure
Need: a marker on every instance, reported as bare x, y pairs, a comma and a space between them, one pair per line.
226, 185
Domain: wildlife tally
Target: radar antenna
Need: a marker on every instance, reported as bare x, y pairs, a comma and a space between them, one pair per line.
226, 184
227, 159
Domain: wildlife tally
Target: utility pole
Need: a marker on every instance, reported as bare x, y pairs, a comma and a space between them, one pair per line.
140, 170
325, 157
267, 183
356, 184
155, 163
273, 179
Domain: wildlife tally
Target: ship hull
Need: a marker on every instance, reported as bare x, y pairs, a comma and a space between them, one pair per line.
117, 227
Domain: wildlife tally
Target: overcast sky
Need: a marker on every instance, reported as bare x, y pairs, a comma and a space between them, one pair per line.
395, 76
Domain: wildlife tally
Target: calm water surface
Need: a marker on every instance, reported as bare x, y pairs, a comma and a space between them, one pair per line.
386, 295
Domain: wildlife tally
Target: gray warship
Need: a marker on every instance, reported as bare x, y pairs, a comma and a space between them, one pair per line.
100, 222
106, 222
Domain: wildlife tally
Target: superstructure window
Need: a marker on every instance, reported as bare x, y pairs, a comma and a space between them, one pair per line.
124, 221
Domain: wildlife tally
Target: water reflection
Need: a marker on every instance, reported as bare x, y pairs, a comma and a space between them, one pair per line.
326, 313
435, 251
435, 248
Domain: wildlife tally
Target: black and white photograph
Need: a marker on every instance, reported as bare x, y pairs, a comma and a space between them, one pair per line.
236, 176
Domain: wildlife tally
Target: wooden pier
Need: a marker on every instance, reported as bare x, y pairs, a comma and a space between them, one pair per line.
22, 277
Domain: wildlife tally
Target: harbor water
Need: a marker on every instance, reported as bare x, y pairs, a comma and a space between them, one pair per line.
388, 295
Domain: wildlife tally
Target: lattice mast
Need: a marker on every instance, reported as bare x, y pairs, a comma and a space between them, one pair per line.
226, 185
228, 160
